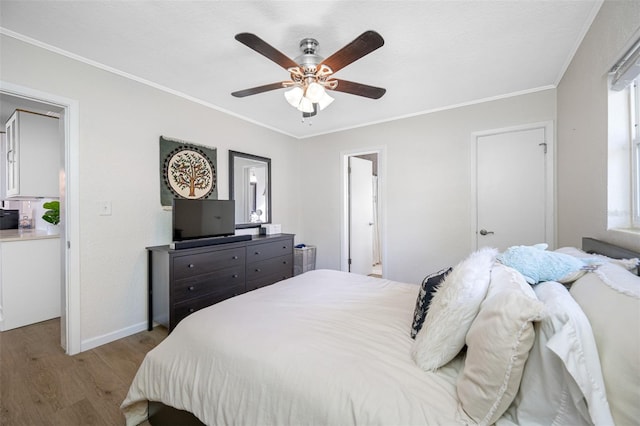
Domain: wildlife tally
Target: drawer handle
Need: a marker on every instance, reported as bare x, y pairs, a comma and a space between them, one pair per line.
191, 310
257, 253
191, 265
284, 262
235, 275
235, 257
191, 288
284, 247
257, 269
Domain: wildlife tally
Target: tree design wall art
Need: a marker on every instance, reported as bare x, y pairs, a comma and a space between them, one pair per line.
187, 171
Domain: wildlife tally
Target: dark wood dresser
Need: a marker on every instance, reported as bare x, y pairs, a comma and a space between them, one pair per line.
186, 280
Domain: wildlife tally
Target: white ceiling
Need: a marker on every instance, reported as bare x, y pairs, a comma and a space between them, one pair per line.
437, 53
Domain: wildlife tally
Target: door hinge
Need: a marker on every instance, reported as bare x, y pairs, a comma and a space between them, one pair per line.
349, 261
544, 144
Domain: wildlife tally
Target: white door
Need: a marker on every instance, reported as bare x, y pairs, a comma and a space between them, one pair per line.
514, 195
11, 156
360, 216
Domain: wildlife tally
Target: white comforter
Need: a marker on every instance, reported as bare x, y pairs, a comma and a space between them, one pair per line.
323, 348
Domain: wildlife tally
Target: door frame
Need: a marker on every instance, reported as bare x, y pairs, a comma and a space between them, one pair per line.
344, 204
550, 166
69, 196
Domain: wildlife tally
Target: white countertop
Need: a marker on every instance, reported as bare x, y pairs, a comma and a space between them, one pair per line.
8, 235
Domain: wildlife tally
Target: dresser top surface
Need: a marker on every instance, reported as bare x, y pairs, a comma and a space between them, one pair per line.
255, 239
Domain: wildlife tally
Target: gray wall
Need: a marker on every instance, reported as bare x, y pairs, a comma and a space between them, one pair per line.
425, 172
120, 124
425, 179
583, 127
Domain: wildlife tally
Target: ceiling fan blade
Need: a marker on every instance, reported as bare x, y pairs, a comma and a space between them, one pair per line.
366, 43
358, 89
259, 89
262, 47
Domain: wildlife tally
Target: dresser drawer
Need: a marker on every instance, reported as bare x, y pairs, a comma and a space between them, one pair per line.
224, 280
269, 271
183, 309
259, 252
202, 263
182, 281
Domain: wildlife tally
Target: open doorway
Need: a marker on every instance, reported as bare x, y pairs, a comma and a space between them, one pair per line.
11, 97
362, 225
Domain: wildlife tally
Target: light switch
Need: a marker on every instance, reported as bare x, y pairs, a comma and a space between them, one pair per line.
105, 208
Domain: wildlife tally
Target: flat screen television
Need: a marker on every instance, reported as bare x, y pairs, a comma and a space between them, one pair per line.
193, 219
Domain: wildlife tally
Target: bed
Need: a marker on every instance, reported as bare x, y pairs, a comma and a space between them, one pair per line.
327, 347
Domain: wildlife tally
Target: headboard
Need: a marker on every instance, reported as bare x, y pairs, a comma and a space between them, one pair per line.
591, 245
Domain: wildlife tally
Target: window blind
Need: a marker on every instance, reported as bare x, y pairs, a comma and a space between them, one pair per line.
626, 69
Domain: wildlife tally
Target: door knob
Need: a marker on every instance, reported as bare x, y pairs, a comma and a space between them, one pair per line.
485, 232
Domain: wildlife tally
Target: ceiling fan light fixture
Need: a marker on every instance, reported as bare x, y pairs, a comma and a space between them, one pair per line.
314, 92
325, 101
306, 105
294, 96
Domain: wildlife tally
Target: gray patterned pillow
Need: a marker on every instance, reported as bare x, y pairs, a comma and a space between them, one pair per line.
427, 288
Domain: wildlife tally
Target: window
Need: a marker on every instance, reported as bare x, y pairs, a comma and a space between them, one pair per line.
634, 114
624, 142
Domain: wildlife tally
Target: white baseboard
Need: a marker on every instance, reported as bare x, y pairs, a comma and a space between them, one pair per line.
94, 342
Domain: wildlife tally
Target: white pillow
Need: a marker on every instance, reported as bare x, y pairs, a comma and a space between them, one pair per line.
610, 298
628, 264
498, 344
453, 308
562, 382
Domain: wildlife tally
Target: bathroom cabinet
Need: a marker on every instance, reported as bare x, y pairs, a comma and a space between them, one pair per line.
32, 156
30, 281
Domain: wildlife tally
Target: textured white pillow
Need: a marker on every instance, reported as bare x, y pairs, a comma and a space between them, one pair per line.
562, 382
453, 308
628, 264
610, 298
498, 344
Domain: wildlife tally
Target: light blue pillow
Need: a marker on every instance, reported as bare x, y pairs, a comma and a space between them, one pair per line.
538, 265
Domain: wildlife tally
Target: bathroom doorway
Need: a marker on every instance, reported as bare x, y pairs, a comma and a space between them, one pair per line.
12, 96
362, 245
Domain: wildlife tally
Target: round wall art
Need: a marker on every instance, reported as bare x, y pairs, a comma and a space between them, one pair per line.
188, 171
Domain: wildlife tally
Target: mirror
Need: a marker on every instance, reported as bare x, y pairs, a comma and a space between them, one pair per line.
250, 187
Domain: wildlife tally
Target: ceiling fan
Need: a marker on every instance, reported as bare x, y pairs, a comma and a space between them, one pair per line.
311, 75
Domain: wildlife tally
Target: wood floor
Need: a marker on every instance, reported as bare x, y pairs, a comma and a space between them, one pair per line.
41, 385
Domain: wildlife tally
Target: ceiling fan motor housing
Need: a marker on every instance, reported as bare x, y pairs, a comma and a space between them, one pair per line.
309, 60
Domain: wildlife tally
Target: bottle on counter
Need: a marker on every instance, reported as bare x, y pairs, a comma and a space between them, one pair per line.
25, 223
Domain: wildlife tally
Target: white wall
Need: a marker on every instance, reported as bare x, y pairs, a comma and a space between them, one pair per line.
426, 179
583, 130
120, 125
